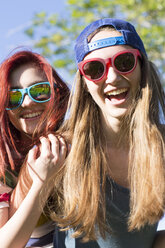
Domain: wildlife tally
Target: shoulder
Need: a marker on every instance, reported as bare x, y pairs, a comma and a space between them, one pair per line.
159, 240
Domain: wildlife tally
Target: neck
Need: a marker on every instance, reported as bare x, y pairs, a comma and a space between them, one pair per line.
115, 132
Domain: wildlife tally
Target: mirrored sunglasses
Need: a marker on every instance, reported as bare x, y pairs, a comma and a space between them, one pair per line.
123, 62
39, 92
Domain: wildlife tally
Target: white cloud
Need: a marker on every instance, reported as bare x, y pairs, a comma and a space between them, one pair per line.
18, 29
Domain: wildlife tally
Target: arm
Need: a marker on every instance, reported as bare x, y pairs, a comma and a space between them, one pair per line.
4, 203
159, 241
4, 215
16, 232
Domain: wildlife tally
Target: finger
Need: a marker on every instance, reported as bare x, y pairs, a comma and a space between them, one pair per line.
32, 154
63, 147
45, 146
55, 145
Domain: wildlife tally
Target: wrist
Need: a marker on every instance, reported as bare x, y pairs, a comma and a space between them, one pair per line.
37, 185
42, 189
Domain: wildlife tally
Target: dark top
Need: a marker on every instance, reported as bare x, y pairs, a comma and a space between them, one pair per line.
117, 204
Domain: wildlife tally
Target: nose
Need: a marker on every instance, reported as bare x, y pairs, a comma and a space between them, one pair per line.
112, 76
27, 101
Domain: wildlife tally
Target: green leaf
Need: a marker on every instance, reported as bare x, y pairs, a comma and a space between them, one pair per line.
55, 35
29, 32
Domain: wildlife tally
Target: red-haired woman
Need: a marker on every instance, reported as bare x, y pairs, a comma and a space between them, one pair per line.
33, 104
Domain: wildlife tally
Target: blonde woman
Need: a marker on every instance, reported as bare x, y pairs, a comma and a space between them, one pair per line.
114, 178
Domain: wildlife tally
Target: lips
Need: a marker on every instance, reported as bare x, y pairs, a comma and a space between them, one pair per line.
118, 95
31, 115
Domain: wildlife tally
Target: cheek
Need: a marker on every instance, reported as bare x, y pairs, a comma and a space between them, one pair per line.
138, 73
135, 78
13, 118
93, 91
92, 87
137, 81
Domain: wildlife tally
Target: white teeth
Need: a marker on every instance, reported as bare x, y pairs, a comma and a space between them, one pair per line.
31, 115
116, 92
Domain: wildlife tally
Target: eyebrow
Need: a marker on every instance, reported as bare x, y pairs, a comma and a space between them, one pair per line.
34, 82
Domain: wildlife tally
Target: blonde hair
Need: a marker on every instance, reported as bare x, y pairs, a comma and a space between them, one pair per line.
85, 170
146, 167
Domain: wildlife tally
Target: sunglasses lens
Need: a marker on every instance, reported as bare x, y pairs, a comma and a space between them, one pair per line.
93, 69
124, 62
14, 99
40, 92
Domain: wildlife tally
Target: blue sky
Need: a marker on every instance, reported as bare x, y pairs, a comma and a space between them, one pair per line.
16, 16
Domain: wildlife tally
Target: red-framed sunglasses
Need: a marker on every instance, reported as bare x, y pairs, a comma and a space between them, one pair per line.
96, 69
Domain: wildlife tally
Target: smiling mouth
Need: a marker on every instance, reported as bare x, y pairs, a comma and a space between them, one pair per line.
116, 95
31, 115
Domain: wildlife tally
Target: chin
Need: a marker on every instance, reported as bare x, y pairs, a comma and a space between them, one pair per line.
120, 113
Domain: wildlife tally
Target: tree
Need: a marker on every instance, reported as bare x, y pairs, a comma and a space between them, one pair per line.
55, 35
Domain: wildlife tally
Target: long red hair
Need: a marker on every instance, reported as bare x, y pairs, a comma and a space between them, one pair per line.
52, 116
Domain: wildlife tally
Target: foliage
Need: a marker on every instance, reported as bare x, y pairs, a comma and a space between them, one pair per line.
54, 34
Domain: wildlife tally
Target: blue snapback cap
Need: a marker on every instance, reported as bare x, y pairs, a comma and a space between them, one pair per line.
129, 37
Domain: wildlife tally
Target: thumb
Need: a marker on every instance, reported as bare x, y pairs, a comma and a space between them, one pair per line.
32, 154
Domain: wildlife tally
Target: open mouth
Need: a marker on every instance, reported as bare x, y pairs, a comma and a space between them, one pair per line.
117, 95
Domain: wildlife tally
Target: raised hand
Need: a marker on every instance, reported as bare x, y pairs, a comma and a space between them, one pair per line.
46, 159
